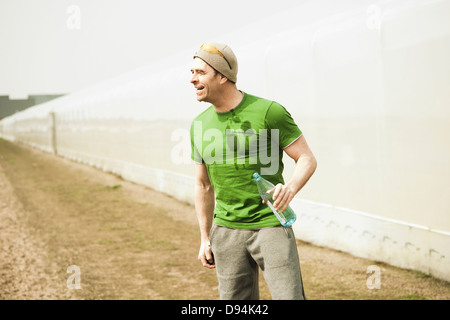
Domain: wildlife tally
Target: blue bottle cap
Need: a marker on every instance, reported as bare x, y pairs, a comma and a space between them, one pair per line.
256, 176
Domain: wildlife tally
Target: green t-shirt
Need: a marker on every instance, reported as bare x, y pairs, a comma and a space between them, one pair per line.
235, 144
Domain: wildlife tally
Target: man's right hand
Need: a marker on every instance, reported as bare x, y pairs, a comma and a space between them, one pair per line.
205, 255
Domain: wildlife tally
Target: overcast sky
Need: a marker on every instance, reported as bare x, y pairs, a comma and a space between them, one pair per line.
60, 46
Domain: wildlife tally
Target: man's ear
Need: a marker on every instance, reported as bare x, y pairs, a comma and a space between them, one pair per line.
223, 79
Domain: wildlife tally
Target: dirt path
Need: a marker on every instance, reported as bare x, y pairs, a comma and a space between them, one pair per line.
23, 270
130, 242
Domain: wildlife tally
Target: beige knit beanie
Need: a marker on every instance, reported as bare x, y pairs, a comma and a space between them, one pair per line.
220, 57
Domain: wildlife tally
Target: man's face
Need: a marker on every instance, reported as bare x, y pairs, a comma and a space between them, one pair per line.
206, 80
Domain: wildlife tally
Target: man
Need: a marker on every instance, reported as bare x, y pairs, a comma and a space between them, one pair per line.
237, 135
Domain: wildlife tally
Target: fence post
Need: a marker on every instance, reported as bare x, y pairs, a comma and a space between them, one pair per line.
53, 130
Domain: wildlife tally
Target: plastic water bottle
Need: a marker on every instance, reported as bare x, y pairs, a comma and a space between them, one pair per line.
286, 218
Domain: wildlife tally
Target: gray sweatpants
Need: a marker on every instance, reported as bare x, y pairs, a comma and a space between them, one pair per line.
239, 252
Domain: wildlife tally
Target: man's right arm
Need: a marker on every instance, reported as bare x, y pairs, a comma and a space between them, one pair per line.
204, 207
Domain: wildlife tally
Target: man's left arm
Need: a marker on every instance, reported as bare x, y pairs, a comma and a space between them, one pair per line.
305, 165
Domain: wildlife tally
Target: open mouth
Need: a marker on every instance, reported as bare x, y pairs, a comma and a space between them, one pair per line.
200, 90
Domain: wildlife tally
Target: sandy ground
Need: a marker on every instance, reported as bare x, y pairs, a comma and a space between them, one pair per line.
22, 259
130, 242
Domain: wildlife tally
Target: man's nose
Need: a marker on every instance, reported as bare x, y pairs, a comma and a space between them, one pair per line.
193, 78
